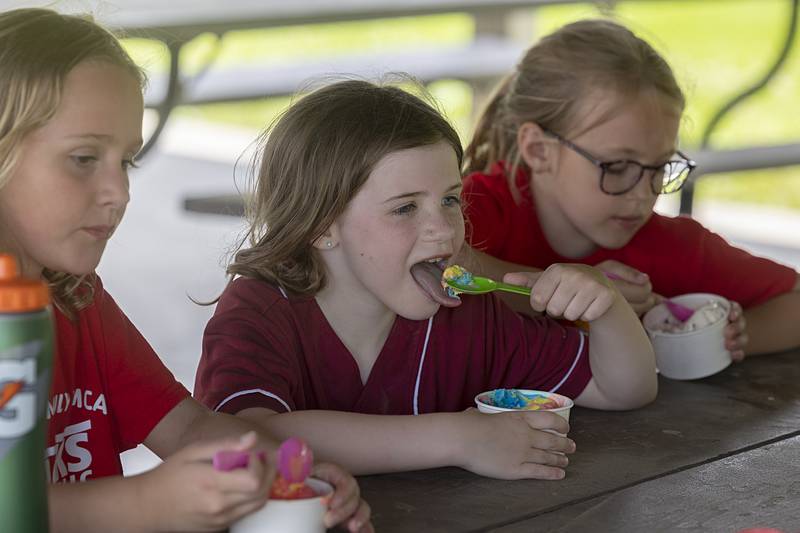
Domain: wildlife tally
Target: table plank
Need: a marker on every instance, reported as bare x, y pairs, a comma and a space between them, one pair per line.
689, 424
760, 487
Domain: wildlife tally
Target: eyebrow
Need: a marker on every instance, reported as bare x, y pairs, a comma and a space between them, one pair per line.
105, 137
418, 193
627, 152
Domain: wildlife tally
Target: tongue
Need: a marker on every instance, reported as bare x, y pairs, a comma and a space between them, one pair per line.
429, 277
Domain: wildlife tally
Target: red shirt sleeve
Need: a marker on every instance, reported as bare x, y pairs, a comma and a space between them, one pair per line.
703, 261
141, 390
249, 354
539, 353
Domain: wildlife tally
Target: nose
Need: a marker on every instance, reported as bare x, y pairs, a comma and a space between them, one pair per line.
439, 226
644, 189
113, 188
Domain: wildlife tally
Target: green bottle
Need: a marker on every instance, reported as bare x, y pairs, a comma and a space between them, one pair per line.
26, 358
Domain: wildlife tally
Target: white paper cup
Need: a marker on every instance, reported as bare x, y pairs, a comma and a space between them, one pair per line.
693, 354
283, 516
482, 401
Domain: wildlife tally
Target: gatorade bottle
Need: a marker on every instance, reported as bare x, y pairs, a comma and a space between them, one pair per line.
26, 354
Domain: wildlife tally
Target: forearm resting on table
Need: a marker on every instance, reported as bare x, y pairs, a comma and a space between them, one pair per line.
774, 326
100, 505
368, 444
190, 422
622, 361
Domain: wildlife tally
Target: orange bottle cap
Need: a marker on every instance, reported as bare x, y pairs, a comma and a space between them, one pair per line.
17, 294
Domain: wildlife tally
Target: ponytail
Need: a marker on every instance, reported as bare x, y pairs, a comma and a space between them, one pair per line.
490, 143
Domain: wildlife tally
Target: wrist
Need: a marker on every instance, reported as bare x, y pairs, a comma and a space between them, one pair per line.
457, 437
147, 502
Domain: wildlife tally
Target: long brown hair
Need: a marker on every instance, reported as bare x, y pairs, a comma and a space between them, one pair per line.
38, 48
554, 77
313, 161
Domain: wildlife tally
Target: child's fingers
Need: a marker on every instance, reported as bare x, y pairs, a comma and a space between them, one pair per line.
598, 306
544, 288
546, 441
735, 313
580, 305
544, 457
261, 469
559, 302
345, 487
543, 420
526, 279
242, 482
735, 338
615, 270
247, 441
537, 471
360, 523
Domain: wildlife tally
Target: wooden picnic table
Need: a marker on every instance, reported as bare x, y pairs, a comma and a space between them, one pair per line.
718, 454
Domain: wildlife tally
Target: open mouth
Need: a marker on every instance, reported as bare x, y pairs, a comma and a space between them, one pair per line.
428, 275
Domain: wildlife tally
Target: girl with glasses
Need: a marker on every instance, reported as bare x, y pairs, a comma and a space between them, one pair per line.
566, 165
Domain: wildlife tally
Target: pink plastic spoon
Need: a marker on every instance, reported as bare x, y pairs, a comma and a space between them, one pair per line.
295, 460
679, 311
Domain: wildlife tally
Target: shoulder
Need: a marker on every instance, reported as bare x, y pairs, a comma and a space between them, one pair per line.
250, 304
252, 293
668, 233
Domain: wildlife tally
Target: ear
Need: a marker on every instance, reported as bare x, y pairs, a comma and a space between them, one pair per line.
328, 240
538, 150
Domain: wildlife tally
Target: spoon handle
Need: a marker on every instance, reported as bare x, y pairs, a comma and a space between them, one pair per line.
519, 289
516, 289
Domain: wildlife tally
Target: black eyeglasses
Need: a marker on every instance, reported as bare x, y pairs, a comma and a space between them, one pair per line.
620, 176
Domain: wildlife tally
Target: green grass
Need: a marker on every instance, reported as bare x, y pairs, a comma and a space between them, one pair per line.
715, 48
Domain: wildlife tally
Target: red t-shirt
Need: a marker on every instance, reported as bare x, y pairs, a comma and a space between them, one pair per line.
679, 254
109, 390
264, 349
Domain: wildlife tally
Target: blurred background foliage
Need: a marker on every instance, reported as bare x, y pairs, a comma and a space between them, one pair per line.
716, 49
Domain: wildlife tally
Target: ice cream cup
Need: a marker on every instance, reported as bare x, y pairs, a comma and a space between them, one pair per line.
297, 516
483, 401
692, 354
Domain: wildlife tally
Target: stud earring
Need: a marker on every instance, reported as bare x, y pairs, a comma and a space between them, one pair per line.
328, 244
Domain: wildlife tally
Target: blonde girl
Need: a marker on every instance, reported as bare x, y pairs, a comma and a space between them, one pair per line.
566, 165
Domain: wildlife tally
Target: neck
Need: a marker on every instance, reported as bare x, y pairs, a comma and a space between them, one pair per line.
563, 237
362, 325
27, 267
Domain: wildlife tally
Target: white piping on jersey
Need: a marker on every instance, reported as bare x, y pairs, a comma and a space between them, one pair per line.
252, 391
421, 361
574, 363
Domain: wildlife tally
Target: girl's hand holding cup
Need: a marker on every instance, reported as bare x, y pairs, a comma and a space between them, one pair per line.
735, 332
186, 492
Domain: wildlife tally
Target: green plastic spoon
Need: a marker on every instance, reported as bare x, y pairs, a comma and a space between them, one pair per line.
481, 285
